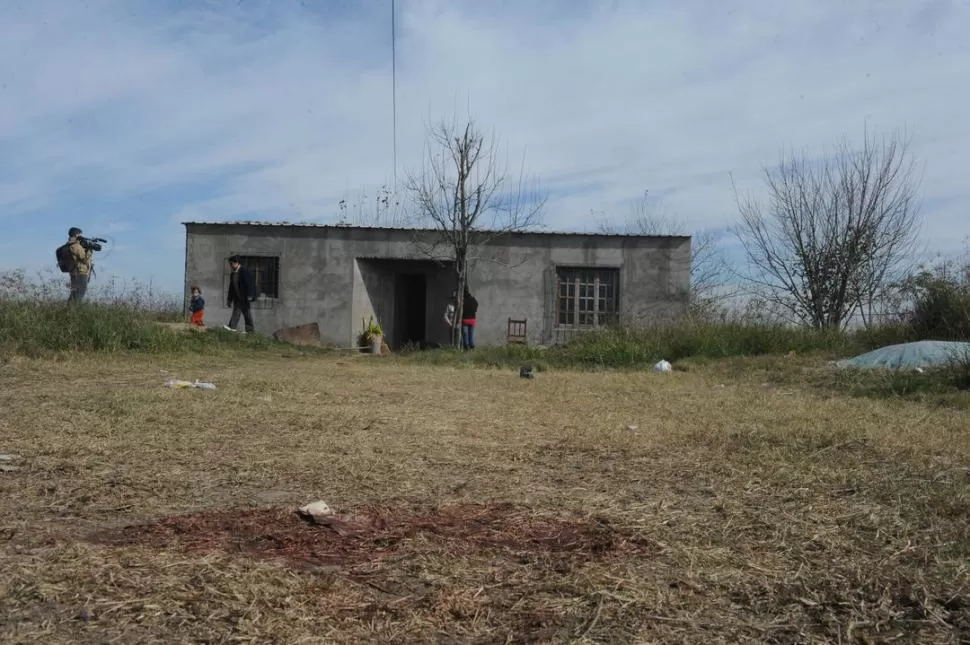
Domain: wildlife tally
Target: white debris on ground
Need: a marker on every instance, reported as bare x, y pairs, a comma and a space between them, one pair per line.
663, 367
317, 509
5, 463
174, 383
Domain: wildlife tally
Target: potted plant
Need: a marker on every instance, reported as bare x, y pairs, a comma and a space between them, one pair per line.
372, 336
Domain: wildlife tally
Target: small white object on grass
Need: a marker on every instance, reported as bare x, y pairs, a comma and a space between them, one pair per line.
632, 428
663, 366
189, 384
317, 509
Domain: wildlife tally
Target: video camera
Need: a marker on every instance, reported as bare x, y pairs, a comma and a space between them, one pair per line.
91, 243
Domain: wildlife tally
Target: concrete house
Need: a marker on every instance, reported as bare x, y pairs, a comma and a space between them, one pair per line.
549, 285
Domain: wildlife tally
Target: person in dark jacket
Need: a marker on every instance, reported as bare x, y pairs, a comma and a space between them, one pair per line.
469, 312
242, 291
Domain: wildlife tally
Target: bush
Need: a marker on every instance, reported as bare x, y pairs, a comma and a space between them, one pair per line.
941, 306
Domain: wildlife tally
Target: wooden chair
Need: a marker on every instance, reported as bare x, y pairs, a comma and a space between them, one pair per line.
517, 331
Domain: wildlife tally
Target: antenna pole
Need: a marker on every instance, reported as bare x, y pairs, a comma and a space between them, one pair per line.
394, 89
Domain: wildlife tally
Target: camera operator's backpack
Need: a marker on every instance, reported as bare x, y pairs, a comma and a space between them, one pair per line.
65, 261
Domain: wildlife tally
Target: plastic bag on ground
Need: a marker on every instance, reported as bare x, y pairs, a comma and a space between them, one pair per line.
663, 366
174, 383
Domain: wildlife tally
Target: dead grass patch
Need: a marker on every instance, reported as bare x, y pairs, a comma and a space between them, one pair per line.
741, 510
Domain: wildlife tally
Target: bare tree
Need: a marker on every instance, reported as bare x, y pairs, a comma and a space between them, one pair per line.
469, 198
708, 266
834, 231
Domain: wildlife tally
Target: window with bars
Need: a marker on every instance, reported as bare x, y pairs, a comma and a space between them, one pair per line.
265, 270
587, 297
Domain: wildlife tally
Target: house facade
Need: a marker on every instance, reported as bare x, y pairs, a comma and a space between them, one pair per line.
337, 276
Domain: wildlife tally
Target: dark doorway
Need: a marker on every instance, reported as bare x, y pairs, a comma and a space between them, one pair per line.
410, 298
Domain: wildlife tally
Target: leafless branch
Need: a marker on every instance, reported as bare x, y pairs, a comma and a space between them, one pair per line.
708, 267
468, 198
834, 232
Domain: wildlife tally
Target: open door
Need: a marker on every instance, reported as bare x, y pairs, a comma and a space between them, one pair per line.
410, 297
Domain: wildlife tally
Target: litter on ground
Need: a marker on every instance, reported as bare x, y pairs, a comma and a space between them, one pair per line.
5, 465
316, 510
663, 366
190, 384
918, 355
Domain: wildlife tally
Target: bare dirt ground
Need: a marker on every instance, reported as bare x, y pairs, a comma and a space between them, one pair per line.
473, 507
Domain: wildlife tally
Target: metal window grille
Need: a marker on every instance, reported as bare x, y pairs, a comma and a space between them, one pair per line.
587, 297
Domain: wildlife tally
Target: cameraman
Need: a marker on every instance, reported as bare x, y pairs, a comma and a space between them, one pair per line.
82, 265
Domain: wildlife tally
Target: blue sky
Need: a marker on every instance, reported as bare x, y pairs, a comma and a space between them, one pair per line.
127, 117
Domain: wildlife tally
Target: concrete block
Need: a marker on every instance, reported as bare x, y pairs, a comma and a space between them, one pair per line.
308, 334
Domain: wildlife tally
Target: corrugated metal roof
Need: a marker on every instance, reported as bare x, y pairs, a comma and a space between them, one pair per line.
400, 228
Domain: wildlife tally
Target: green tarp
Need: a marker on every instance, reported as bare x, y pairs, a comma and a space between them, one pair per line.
925, 353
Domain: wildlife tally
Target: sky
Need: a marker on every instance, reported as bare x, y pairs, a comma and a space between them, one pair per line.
128, 117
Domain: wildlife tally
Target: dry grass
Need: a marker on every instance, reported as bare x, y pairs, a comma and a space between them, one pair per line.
742, 512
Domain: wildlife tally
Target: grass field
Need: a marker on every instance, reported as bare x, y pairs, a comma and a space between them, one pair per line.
477, 507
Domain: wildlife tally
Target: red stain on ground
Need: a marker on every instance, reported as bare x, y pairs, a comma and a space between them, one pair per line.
369, 533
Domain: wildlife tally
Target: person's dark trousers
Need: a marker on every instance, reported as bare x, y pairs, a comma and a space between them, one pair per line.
247, 314
79, 287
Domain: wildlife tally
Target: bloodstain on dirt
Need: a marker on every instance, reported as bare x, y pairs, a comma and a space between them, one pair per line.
368, 533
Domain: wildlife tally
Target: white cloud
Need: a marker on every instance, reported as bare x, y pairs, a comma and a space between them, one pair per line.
279, 110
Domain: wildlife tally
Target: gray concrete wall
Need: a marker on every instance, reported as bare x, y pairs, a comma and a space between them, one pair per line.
325, 276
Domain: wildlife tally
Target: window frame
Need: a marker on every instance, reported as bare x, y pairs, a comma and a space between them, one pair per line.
580, 297
248, 259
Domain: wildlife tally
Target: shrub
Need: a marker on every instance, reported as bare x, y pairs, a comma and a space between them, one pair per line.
941, 306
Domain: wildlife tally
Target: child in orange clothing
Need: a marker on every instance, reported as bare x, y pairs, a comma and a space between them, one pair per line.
197, 307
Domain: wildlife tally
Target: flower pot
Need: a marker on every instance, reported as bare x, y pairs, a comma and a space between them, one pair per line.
376, 341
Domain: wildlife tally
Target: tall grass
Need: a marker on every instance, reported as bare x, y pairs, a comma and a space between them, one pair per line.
37, 328
35, 320
629, 347
642, 347
49, 288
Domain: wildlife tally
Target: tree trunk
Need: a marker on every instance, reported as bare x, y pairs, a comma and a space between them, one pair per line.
459, 306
